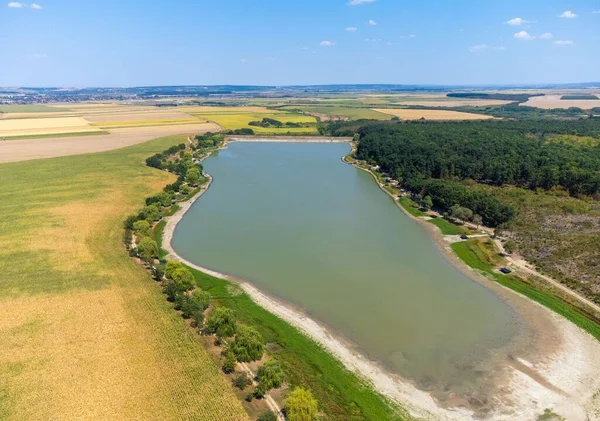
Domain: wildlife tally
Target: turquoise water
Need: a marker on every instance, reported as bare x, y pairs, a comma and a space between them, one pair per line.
303, 226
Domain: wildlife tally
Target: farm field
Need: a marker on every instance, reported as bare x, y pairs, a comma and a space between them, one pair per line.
49, 147
555, 101
434, 100
238, 118
40, 126
29, 109
339, 112
86, 332
406, 114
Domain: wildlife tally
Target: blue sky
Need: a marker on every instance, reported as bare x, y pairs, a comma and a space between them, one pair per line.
133, 43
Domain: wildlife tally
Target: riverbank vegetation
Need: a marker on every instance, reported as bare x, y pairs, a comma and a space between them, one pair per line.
244, 330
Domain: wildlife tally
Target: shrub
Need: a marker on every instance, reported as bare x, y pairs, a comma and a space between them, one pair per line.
221, 322
183, 278
242, 381
201, 298
170, 290
150, 213
197, 318
142, 228
248, 344
159, 272
163, 198
260, 392
301, 406
171, 266
147, 249
229, 364
267, 416
185, 190
271, 374
249, 397
193, 176
130, 221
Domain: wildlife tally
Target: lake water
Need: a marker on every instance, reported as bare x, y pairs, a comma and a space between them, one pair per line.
300, 224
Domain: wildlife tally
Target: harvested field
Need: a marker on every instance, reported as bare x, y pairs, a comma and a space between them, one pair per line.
432, 114
136, 116
29, 109
86, 333
26, 149
241, 118
554, 101
339, 112
37, 126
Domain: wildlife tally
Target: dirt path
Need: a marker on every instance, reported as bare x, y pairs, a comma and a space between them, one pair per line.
50, 147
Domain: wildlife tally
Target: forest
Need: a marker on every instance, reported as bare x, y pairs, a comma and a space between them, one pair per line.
430, 158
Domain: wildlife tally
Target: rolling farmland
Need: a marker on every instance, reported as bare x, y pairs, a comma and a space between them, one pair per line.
85, 331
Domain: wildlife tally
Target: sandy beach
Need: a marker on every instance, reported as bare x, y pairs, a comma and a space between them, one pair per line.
556, 366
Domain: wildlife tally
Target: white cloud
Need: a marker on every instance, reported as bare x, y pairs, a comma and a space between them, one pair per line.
372, 22
270, 58
351, 29
37, 56
596, 12
36, 6
359, 2
568, 15
518, 21
546, 35
326, 44
15, 5
372, 39
500, 47
563, 42
244, 60
523, 35
478, 48
389, 43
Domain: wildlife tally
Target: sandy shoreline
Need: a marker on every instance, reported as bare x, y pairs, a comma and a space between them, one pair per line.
560, 372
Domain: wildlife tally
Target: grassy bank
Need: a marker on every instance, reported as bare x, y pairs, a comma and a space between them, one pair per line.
476, 257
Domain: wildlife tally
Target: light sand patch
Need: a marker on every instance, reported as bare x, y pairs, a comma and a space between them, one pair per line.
26, 149
553, 101
432, 114
38, 126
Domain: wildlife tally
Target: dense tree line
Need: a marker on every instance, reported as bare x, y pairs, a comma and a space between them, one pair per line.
495, 152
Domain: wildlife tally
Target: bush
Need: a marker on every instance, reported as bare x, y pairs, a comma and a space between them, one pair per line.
130, 221
163, 199
170, 290
271, 374
267, 416
150, 213
248, 344
193, 176
230, 363
159, 272
142, 228
185, 190
242, 381
301, 406
221, 322
183, 278
197, 318
249, 397
147, 249
171, 266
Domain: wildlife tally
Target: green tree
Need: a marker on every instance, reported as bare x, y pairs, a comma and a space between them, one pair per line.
461, 213
201, 298
150, 213
248, 344
301, 406
271, 374
477, 220
193, 176
241, 381
183, 278
221, 322
229, 363
510, 246
147, 249
171, 266
427, 202
170, 290
267, 416
142, 228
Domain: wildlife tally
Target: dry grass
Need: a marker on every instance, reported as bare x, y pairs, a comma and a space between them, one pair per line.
554, 101
86, 334
37, 126
26, 149
432, 114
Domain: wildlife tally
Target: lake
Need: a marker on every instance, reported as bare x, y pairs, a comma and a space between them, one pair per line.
302, 225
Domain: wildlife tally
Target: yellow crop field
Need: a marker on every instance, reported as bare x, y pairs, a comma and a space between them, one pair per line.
222, 110
240, 120
146, 123
86, 333
39, 126
554, 101
432, 114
